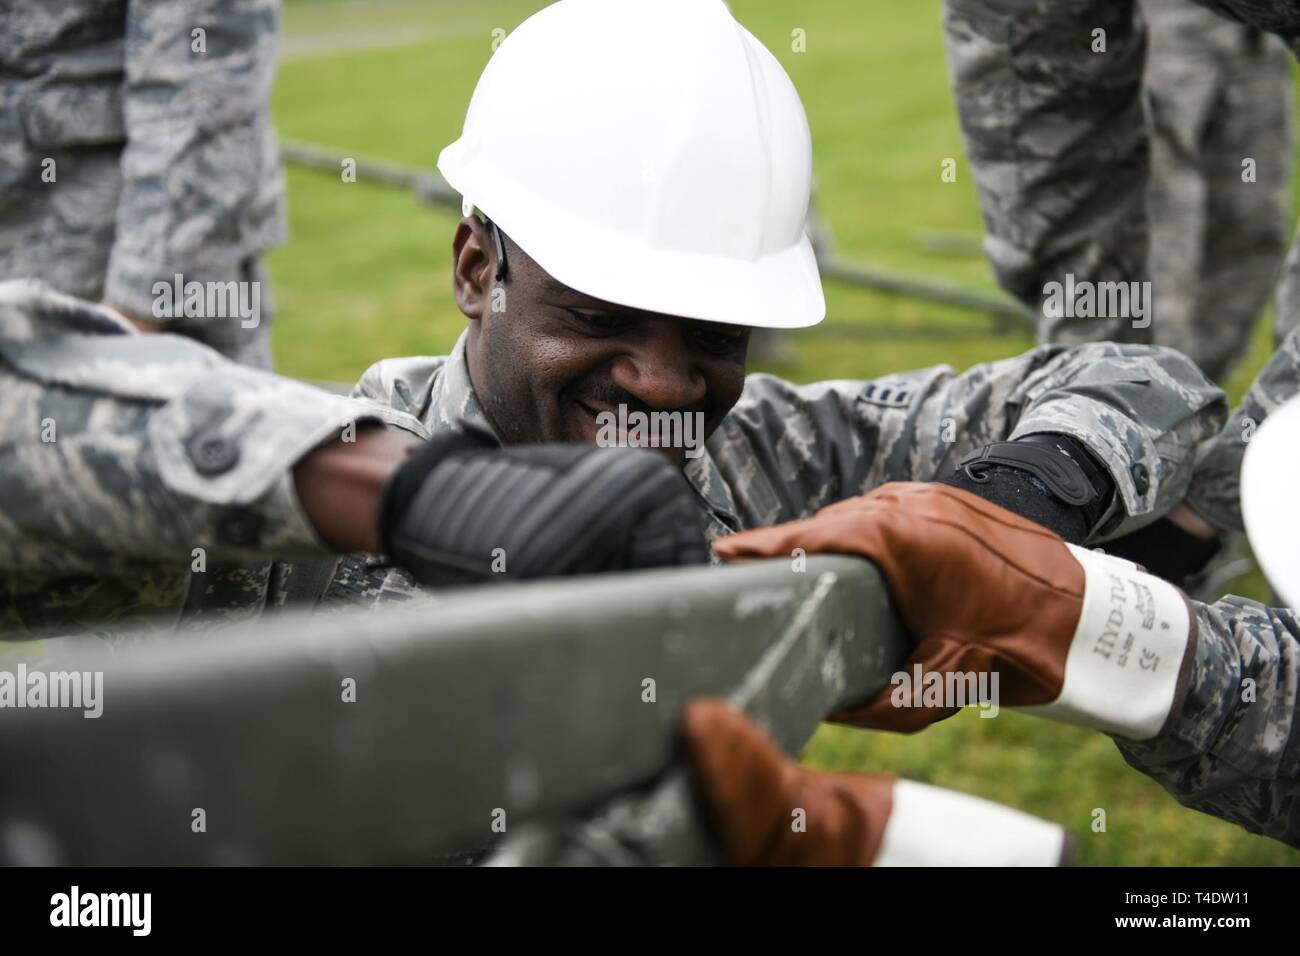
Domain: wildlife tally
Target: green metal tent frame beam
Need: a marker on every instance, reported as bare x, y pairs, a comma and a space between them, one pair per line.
523, 705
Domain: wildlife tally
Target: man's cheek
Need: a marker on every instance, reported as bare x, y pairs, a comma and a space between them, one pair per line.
726, 393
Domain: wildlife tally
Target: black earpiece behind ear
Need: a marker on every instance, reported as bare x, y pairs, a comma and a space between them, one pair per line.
500, 246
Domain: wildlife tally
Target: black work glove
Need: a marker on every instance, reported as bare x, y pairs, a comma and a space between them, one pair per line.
463, 509
1167, 551
1050, 479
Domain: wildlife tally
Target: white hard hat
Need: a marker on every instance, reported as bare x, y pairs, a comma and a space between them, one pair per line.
1270, 499
651, 153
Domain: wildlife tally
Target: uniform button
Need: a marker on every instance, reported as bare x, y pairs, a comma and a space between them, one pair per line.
243, 529
213, 453
1141, 480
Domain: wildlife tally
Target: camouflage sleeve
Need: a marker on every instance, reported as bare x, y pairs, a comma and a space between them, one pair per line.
116, 446
1286, 303
1233, 749
402, 383
1281, 17
1215, 492
202, 189
1141, 410
1048, 93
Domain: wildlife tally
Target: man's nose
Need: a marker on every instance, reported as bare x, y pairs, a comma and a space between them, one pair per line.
660, 369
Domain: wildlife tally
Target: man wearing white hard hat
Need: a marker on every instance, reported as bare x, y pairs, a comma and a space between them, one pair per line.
636, 177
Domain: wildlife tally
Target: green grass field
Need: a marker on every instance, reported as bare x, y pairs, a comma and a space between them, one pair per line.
366, 275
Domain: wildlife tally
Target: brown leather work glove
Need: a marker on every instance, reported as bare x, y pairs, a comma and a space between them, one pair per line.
770, 811
994, 600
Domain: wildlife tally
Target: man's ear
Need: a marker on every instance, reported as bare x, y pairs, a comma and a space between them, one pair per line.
474, 265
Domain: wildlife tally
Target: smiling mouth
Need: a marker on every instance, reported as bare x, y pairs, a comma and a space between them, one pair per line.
588, 428
583, 424
592, 424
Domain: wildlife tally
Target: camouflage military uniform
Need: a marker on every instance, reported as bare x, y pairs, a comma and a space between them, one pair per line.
120, 454
1286, 306
1218, 93
786, 450
1234, 747
1234, 750
163, 157
1281, 17
1061, 154
162, 448
1057, 143
1215, 492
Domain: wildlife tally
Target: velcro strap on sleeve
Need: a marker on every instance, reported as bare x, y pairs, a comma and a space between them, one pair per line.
1063, 475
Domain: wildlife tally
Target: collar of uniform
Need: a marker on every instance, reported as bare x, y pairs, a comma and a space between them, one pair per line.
452, 400
704, 476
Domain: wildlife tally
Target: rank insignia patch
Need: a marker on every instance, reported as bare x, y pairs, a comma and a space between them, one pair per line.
891, 396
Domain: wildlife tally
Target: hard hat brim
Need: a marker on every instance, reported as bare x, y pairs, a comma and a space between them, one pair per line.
781, 290
1270, 506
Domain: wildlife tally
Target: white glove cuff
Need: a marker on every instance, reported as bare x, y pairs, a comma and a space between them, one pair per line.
930, 826
1125, 661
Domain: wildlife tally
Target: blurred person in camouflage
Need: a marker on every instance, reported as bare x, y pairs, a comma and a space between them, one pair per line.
1068, 163
137, 155
1219, 103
